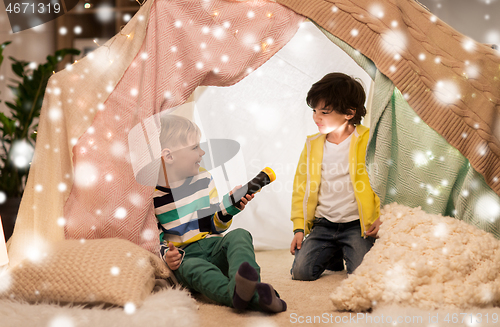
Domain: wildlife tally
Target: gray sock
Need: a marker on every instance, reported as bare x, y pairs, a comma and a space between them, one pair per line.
269, 299
246, 280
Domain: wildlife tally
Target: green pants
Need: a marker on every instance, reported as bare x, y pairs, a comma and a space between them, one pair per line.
210, 264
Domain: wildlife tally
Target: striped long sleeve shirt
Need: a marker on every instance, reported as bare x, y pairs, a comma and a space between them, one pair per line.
191, 211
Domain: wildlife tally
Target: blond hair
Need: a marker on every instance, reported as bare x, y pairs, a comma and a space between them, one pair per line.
177, 131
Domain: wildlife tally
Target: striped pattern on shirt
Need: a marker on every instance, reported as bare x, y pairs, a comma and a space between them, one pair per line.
191, 211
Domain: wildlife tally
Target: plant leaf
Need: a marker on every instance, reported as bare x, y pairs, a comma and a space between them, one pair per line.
8, 125
18, 69
6, 43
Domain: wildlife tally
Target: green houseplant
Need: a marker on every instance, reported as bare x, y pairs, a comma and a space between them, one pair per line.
18, 130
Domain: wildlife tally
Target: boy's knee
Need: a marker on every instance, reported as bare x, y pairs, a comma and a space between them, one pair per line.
240, 234
303, 273
301, 270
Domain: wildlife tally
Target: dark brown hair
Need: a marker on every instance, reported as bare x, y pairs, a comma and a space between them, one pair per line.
341, 93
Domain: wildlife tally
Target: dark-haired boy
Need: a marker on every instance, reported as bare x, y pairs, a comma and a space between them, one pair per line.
332, 198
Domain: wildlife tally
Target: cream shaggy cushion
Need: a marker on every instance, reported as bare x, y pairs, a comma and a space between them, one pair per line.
424, 260
110, 270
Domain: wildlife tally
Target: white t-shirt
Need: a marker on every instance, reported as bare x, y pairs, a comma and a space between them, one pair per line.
336, 200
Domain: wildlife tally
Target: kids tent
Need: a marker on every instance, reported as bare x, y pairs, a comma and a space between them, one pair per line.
434, 119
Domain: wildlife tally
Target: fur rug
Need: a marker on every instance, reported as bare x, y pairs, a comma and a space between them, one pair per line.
426, 261
165, 308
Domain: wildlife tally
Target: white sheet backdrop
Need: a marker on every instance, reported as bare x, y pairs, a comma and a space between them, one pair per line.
267, 114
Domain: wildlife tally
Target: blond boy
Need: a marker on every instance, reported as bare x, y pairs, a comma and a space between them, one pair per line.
189, 216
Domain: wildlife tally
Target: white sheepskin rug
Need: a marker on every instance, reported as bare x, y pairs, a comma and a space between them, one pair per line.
165, 308
426, 261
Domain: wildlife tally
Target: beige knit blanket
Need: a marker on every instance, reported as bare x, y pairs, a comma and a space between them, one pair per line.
61, 124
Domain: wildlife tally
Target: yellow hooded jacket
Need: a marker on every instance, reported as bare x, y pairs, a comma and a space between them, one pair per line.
307, 181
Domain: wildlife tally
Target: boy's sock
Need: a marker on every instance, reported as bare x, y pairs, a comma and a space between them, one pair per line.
246, 279
269, 299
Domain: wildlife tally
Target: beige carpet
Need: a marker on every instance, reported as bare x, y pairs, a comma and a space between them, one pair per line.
302, 298
309, 305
